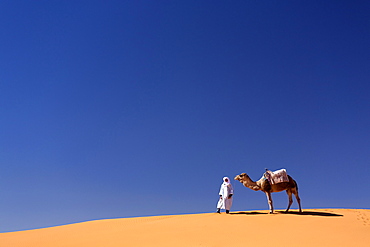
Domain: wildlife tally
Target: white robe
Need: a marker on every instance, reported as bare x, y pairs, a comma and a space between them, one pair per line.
225, 202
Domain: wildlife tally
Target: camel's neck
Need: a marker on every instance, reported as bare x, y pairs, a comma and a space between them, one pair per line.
251, 184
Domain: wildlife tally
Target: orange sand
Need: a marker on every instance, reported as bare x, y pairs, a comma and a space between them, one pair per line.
315, 227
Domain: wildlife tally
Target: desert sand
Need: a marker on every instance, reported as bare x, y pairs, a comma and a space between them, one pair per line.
314, 227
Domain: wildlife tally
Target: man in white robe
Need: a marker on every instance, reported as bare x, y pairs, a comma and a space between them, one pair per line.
226, 196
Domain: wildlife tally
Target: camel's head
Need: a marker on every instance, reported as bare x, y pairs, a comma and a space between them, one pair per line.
241, 177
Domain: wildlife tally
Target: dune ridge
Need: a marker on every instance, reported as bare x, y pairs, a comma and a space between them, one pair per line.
314, 227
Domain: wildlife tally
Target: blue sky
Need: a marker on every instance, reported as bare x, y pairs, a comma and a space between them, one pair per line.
131, 108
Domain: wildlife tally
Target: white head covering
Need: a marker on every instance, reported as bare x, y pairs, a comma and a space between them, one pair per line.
226, 181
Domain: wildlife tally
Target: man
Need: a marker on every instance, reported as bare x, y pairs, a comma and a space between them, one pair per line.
226, 196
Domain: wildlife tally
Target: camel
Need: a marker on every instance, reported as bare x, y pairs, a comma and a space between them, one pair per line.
263, 185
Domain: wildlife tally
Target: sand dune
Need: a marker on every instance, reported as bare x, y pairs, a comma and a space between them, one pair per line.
315, 227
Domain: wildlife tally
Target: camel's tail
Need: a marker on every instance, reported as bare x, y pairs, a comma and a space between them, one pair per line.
296, 185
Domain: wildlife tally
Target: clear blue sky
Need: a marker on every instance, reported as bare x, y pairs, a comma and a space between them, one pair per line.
131, 108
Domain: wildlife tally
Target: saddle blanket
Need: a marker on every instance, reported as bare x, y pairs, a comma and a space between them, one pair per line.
276, 177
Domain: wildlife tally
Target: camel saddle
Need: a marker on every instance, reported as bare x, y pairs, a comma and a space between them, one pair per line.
276, 177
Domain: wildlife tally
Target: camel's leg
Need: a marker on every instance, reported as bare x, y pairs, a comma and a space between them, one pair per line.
269, 199
289, 193
295, 192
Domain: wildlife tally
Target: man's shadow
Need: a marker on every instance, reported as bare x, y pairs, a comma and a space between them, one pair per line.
248, 213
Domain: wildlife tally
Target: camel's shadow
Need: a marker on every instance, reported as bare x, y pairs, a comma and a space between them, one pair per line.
312, 213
